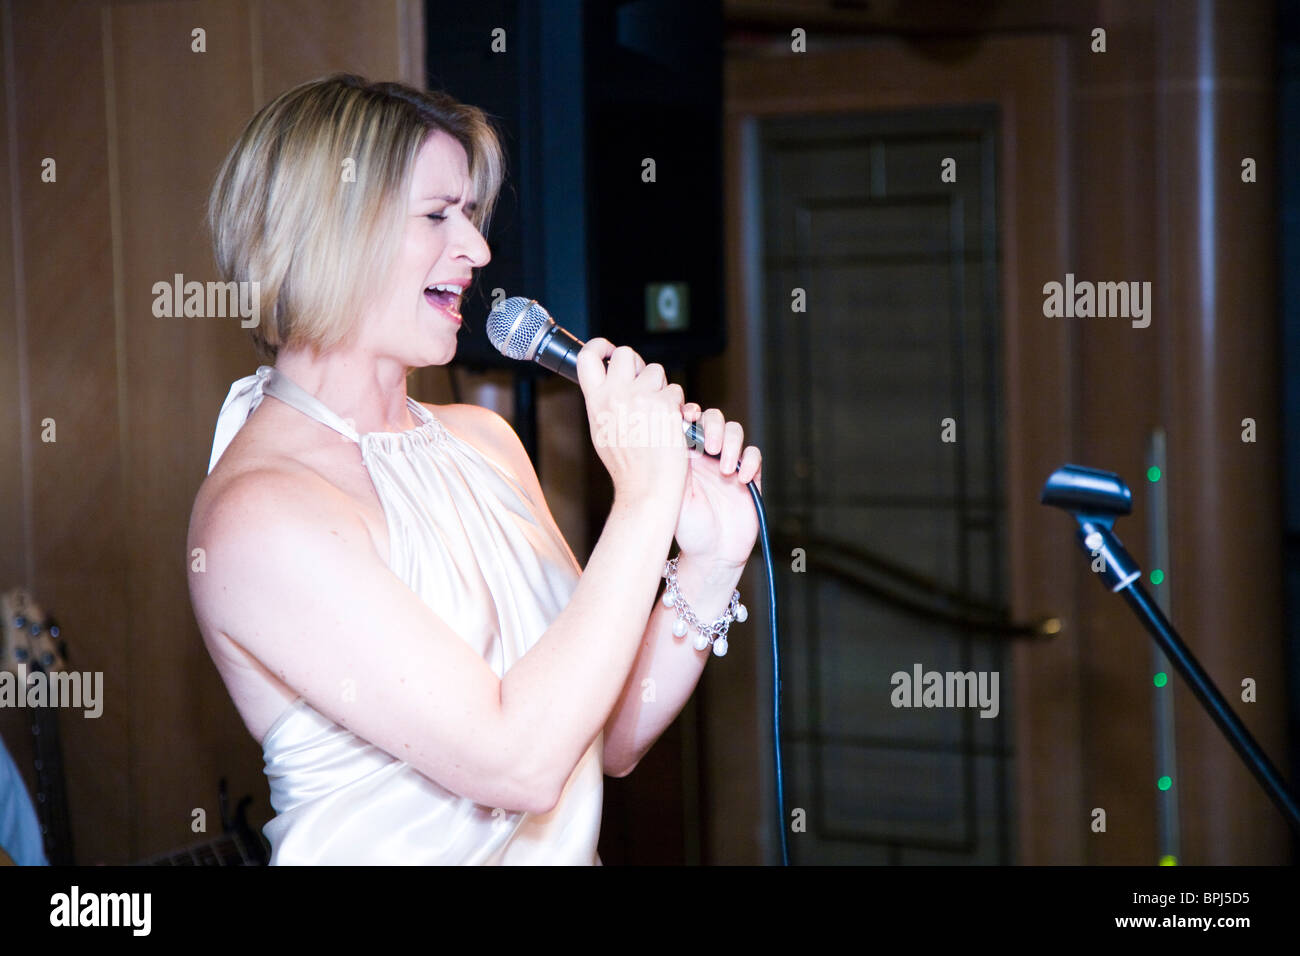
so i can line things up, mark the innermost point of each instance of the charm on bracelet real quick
(714, 634)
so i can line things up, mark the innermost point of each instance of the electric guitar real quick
(238, 845)
(30, 639)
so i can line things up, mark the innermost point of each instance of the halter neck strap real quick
(246, 394)
(279, 385)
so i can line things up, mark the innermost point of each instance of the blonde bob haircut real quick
(311, 201)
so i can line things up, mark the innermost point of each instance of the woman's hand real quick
(717, 523)
(636, 423)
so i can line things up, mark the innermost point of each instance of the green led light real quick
(1168, 860)
(1161, 679)
(1153, 473)
(1164, 783)
(1157, 576)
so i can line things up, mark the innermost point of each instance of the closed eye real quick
(436, 216)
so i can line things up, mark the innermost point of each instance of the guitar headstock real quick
(28, 637)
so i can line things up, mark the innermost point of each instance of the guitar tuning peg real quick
(20, 653)
(20, 621)
(47, 660)
(36, 629)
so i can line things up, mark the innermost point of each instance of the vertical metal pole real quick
(1168, 846)
(526, 414)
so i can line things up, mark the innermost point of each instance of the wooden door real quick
(885, 436)
(919, 307)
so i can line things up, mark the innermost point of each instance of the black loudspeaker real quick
(611, 117)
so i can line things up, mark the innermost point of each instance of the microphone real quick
(519, 328)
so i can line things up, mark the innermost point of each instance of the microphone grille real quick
(515, 325)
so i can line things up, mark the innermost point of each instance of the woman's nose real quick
(473, 245)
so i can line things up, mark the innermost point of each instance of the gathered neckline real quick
(282, 387)
(431, 428)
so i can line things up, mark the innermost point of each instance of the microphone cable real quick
(696, 437)
(521, 329)
(776, 668)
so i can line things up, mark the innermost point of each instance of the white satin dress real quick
(467, 538)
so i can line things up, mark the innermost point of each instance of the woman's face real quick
(440, 245)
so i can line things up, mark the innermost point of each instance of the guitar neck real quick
(227, 850)
(30, 643)
(51, 791)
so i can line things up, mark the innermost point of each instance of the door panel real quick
(899, 270)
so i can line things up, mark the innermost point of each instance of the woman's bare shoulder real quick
(258, 522)
(269, 464)
(474, 419)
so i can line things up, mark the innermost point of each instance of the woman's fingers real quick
(722, 438)
(726, 440)
(625, 361)
(652, 375)
(713, 423)
(733, 439)
(591, 364)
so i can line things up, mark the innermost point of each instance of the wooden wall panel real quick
(81, 534)
(1117, 392)
(164, 99)
(304, 39)
(1217, 106)
(15, 513)
(14, 555)
(138, 123)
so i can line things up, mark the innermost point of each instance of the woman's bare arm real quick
(292, 577)
(667, 668)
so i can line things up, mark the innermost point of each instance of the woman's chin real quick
(437, 353)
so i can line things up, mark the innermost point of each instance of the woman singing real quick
(432, 676)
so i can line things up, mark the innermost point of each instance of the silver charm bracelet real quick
(715, 633)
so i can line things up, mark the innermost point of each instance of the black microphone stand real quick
(1095, 499)
(525, 416)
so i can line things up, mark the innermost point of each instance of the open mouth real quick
(445, 299)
